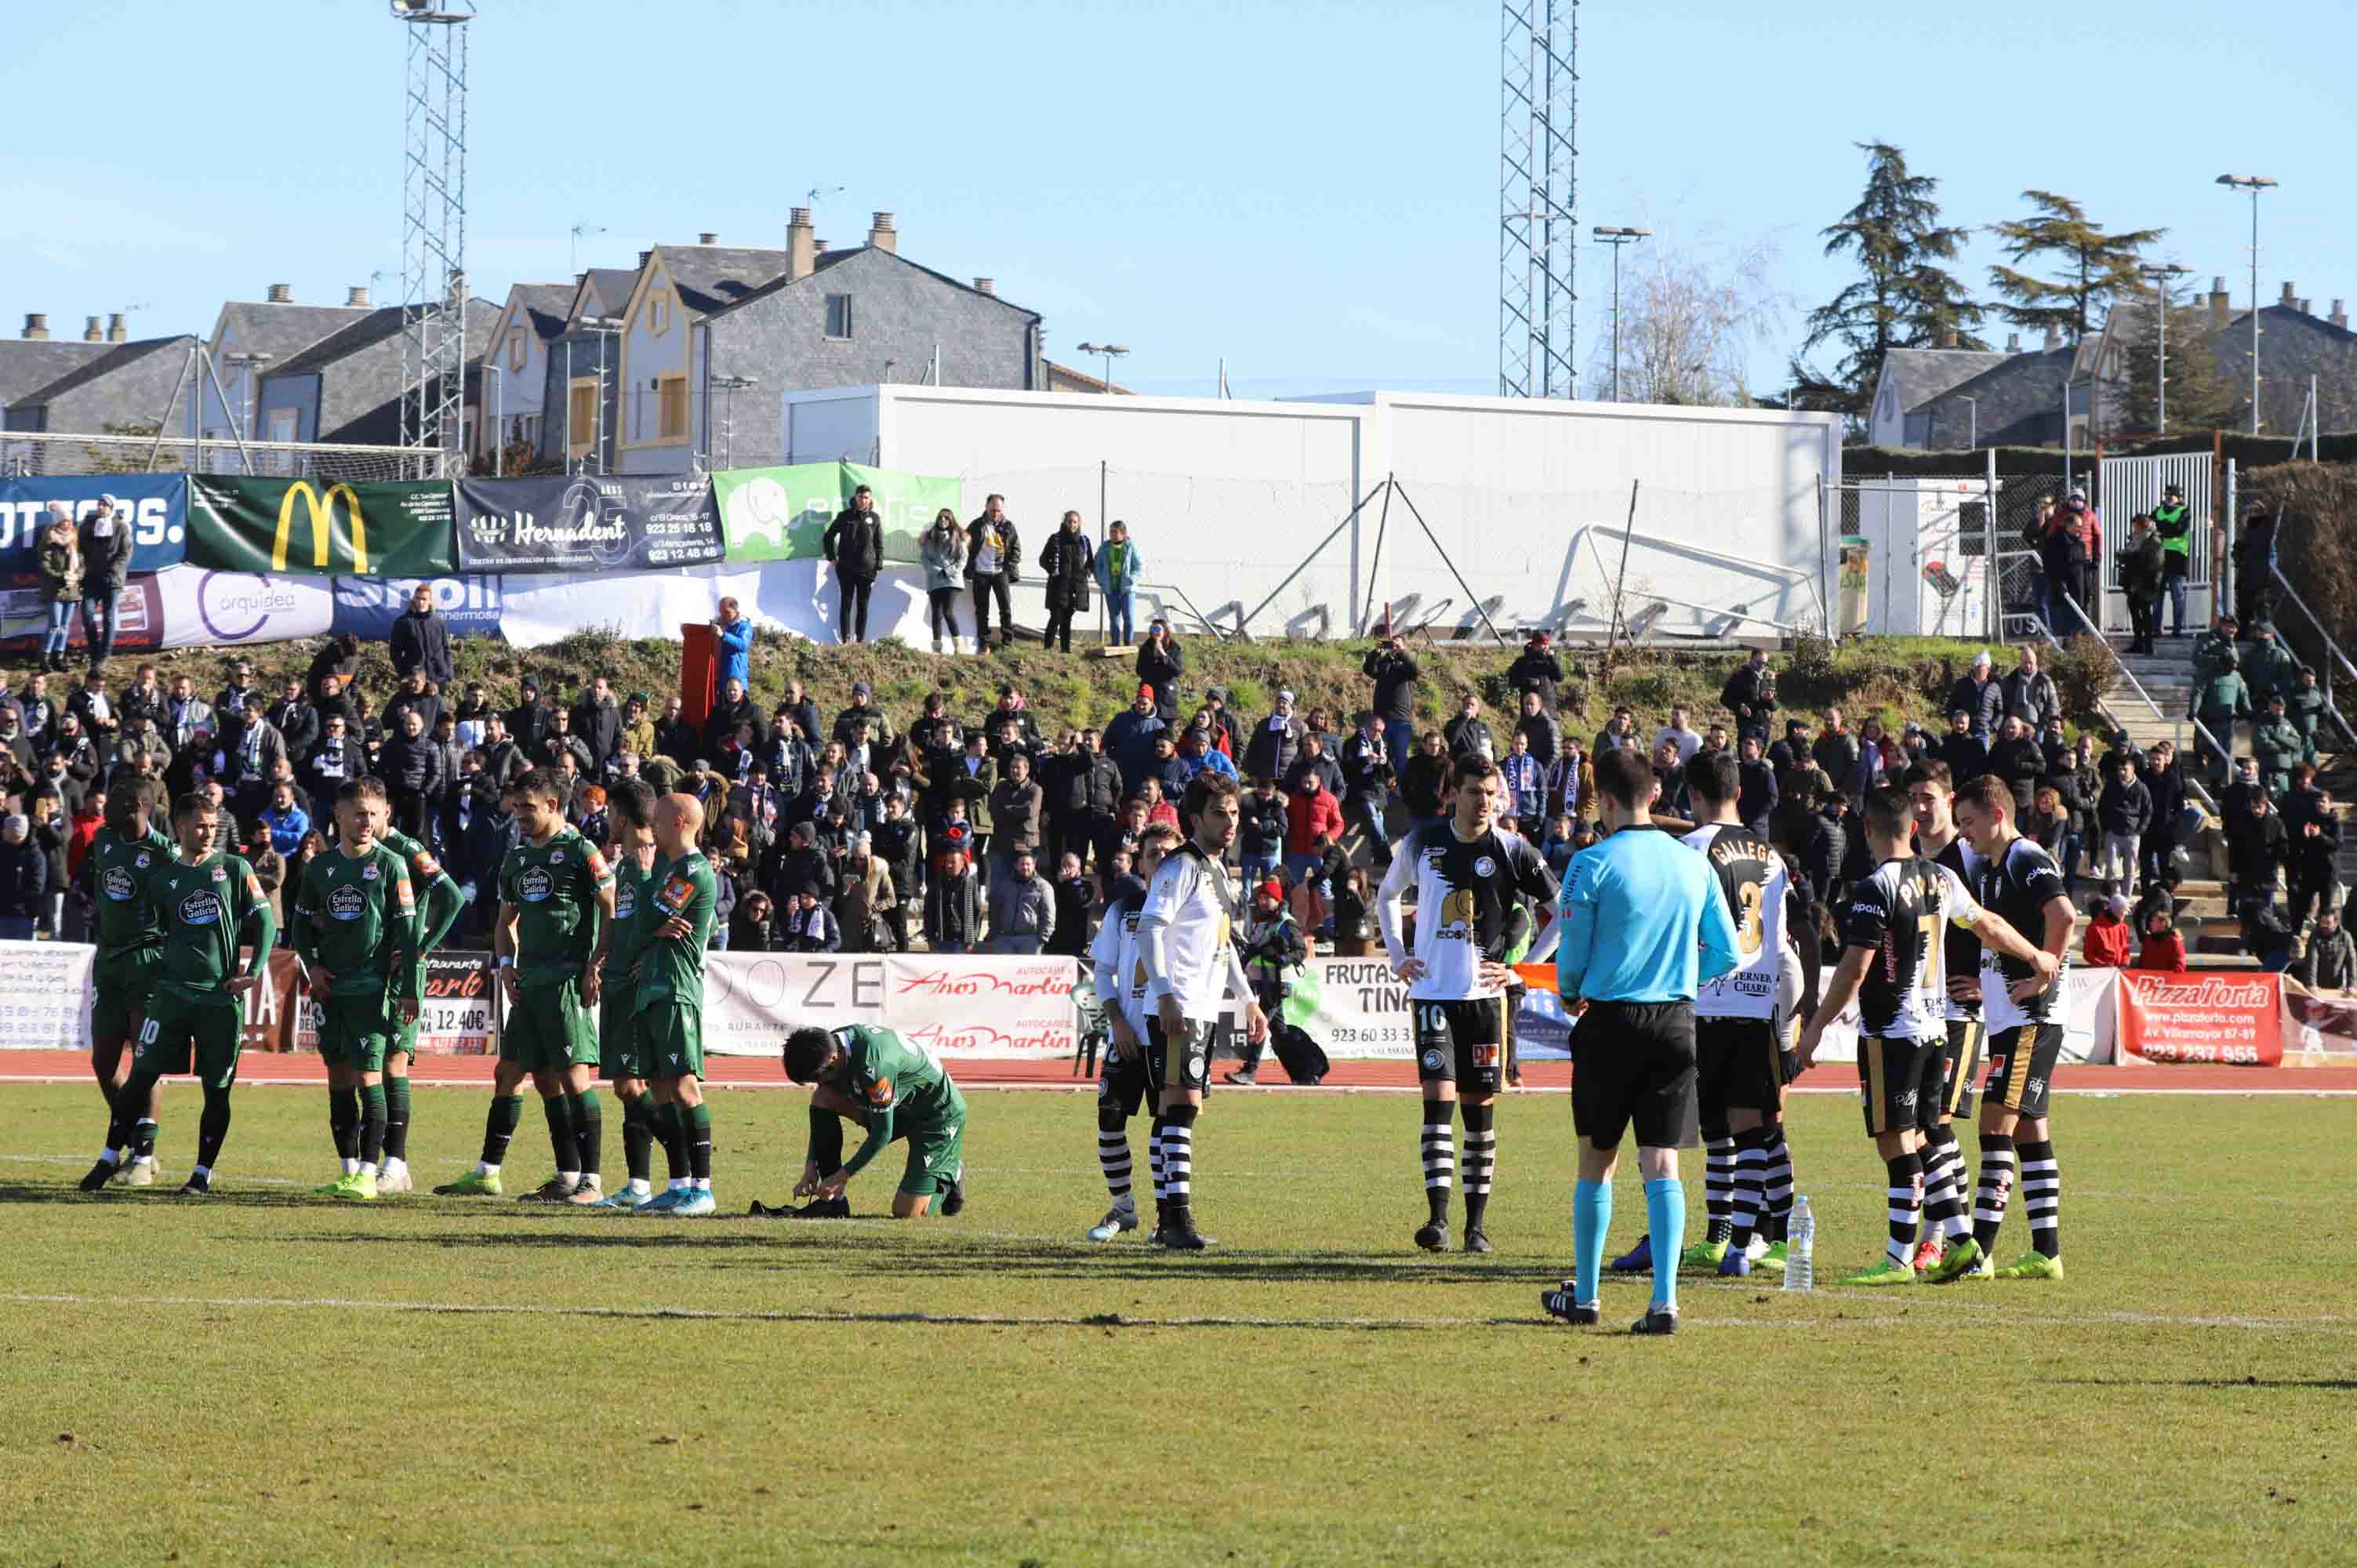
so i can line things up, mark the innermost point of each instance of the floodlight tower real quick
(433, 289)
(1538, 197)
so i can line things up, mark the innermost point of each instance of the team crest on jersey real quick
(141, 862)
(221, 874)
(348, 902)
(557, 857)
(199, 909)
(1485, 867)
(1432, 1060)
(368, 874)
(536, 884)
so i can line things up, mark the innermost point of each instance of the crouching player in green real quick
(125, 853)
(208, 903)
(440, 902)
(894, 1089)
(556, 907)
(355, 925)
(682, 900)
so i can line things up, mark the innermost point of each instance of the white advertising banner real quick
(984, 1006)
(48, 997)
(1361, 1011)
(752, 1001)
(205, 608)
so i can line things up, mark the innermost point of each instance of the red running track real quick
(303, 1067)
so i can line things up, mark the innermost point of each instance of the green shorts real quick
(617, 1033)
(548, 1029)
(405, 1039)
(670, 1038)
(936, 1159)
(123, 986)
(356, 1031)
(182, 1037)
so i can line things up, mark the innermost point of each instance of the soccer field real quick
(264, 1378)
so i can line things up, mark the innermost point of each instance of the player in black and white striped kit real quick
(2020, 881)
(1738, 1044)
(1932, 791)
(1127, 1081)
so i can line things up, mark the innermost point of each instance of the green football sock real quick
(673, 1135)
(588, 1128)
(560, 1132)
(696, 1122)
(396, 1118)
(499, 1125)
(639, 1135)
(372, 1123)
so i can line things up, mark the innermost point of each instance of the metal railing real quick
(2193, 784)
(1737, 612)
(2330, 646)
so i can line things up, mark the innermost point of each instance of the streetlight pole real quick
(1973, 407)
(2254, 183)
(732, 385)
(1111, 352)
(1616, 238)
(2161, 277)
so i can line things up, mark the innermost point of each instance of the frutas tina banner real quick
(586, 524)
(781, 514)
(319, 528)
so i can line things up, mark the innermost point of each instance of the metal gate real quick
(2133, 485)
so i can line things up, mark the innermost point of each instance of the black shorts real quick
(1959, 1064)
(1183, 1063)
(2021, 1067)
(1902, 1080)
(1129, 1084)
(1633, 1063)
(1461, 1042)
(1739, 1066)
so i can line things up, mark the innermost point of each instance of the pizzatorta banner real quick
(322, 528)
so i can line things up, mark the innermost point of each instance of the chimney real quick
(882, 236)
(642, 257)
(986, 286)
(799, 251)
(116, 332)
(356, 298)
(2222, 304)
(2287, 300)
(818, 247)
(91, 332)
(36, 327)
(2304, 305)
(1948, 339)
(282, 294)
(707, 239)
(2340, 316)
(2013, 342)
(2053, 340)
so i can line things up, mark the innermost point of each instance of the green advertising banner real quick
(781, 514)
(321, 527)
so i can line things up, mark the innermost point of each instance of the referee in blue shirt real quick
(1644, 924)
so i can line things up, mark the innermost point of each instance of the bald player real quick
(683, 898)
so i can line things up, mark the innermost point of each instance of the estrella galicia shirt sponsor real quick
(118, 870)
(553, 885)
(203, 908)
(1896, 915)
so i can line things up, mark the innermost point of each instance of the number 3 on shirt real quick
(1751, 929)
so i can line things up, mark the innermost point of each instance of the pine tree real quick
(2096, 267)
(1904, 298)
(2201, 396)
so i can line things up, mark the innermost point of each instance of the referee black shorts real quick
(1633, 1065)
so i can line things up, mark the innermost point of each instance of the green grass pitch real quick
(264, 1378)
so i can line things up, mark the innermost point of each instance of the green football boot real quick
(1887, 1271)
(2032, 1266)
(474, 1184)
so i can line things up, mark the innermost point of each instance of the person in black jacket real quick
(1260, 838)
(1756, 796)
(1537, 670)
(1966, 753)
(1076, 898)
(2164, 780)
(854, 543)
(1160, 661)
(1980, 697)
(105, 539)
(598, 722)
(411, 767)
(2123, 812)
(1070, 561)
(1389, 666)
(1751, 695)
(421, 639)
(24, 880)
(2018, 759)
(993, 562)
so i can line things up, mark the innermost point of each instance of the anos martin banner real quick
(320, 527)
(588, 523)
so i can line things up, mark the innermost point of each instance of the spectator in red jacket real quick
(2163, 947)
(2107, 942)
(1311, 815)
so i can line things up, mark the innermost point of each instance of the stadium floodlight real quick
(2160, 278)
(1616, 238)
(2254, 183)
(1111, 352)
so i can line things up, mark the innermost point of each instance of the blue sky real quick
(1310, 190)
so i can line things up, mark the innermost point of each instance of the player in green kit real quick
(683, 899)
(205, 903)
(636, 863)
(355, 925)
(124, 853)
(440, 902)
(556, 911)
(892, 1089)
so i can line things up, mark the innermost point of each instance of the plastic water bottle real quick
(1800, 1256)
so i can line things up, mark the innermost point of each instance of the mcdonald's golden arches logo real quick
(322, 512)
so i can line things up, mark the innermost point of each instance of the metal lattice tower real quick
(1538, 198)
(433, 289)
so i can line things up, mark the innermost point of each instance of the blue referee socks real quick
(1665, 1211)
(1591, 1217)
